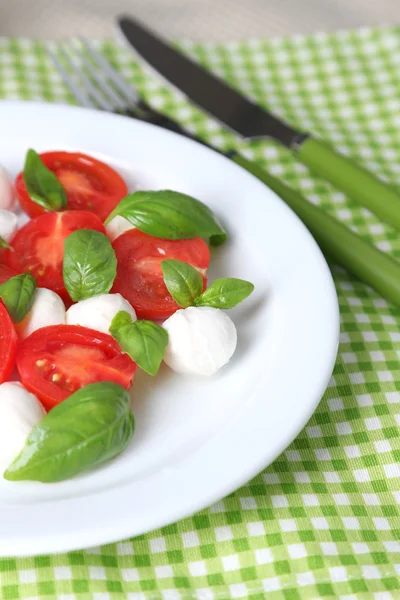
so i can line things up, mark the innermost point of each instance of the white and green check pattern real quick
(323, 520)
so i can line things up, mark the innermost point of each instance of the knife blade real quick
(207, 91)
(251, 121)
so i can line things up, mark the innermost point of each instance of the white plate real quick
(196, 439)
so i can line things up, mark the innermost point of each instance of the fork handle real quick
(350, 178)
(362, 259)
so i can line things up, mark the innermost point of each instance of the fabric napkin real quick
(323, 520)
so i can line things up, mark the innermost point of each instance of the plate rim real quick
(95, 535)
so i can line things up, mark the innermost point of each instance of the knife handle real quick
(347, 176)
(363, 260)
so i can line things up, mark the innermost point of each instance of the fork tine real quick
(90, 89)
(98, 76)
(95, 93)
(77, 91)
(125, 88)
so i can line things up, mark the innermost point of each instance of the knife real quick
(251, 121)
(365, 261)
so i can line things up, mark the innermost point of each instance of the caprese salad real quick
(97, 283)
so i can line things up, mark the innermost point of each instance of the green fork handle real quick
(353, 180)
(363, 260)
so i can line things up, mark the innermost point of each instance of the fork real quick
(96, 84)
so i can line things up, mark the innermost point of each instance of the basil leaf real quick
(84, 431)
(121, 319)
(3, 244)
(170, 215)
(143, 341)
(225, 293)
(42, 184)
(183, 281)
(90, 264)
(17, 294)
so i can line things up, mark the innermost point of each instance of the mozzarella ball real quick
(117, 226)
(98, 312)
(201, 340)
(20, 411)
(8, 225)
(7, 192)
(47, 309)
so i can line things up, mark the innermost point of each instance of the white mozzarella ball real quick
(98, 312)
(201, 340)
(8, 225)
(47, 309)
(117, 226)
(20, 411)
(7, 191)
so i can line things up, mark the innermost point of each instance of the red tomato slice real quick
(90, 184)
(3, 257)
(6, 273)
(8, 344)
(39, 246)
(139, 275)
(56, 361)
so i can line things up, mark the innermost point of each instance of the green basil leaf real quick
(90, 264)
(225, 293)
(183, 281)
(42, 184)
(82, 432)
(3, 244)
(143, 341)
(170, 215)
(17, 294)
(121, 319)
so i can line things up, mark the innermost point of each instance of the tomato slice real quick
(89, 183)
(39, 246)
(2, 257)
(56, 361)
(8, 344)
(6, 273)
(139, 275)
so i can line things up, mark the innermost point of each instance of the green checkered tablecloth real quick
(323, 520)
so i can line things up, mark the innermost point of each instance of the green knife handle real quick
(366, 262)
(356, 182)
